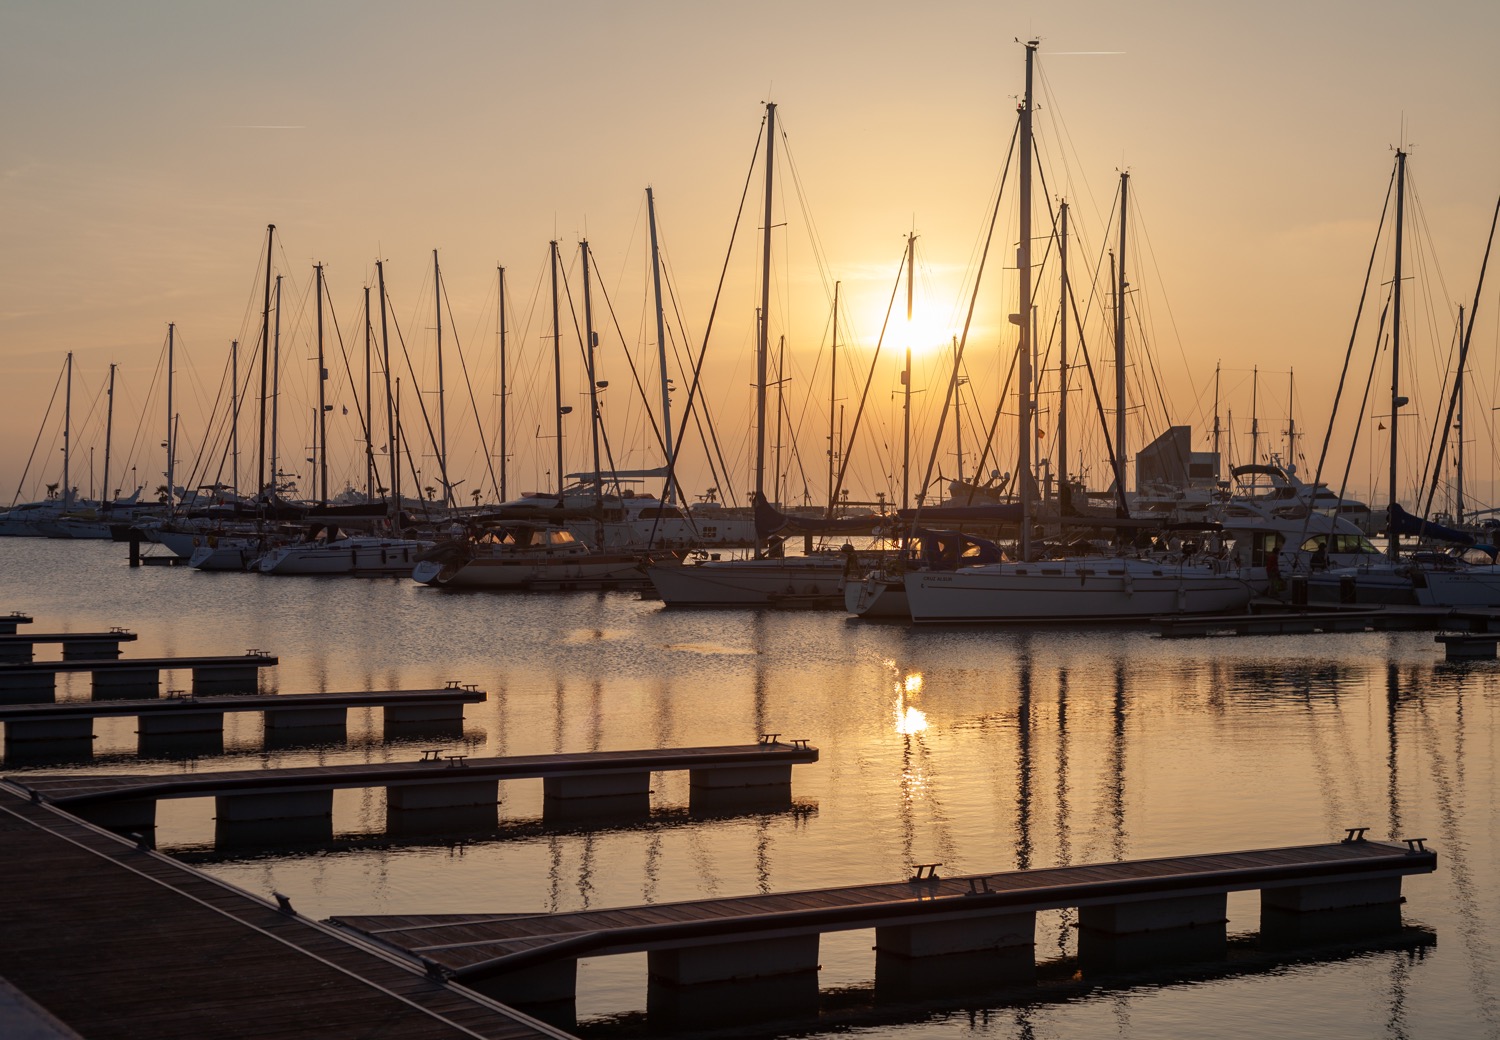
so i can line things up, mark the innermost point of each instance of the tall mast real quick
(1291, 418)
(1393, 539)
(275, 390)
(265, 342)
(1458, 426)
(67, 488)
(322, 452)
(234, 412)
(1255, 414)
(109, 432)
(392, 446)
(369, 405)
(661, 348)
(1063, 495)
(437, 293)
(557, 374)
(911, 249)
(779, 476)
(1120, 455)
(958, 412)
(833, 398)
(1216, 419)
(592, 341)
(504, 387)
(171, 426)
(762, 347)
(1023, 315)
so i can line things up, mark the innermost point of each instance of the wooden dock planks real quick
(463, 942)
(237, 702)
(118, 942)
(75, 789)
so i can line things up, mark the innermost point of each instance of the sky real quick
(147, 146)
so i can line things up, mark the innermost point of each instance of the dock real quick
(134, 677)
(76, 646)
(533, 957)
(69, 726)
(114, 940)
(300, 800)
(1303, 620)
(9, 623)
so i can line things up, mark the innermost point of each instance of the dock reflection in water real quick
(977, 748)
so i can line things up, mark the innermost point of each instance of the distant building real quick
(1170, 460)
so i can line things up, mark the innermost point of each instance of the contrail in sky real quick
(264, 126)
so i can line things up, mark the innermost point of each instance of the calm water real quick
(983, 750)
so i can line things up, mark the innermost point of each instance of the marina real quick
(1071, 754)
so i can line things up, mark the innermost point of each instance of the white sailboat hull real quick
(1072, 590)
(1469, 587)
(365, 557)
(520, 572)
(794, 582)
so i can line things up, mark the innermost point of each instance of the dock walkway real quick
(128, 802)
(134, 677)
(120, 943)
(512, 955)
(76, 646)
(72, 722)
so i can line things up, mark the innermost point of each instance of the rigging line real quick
(864, 396)
(1348, 357)
(1115, 465)
(417, 386)
(1369, 384)
(963, 339)
(1454, 344)
(634, 372)
(39, 430)
(1463, 353)
(1139, 227)
(468, 385)
(718, 469)
(713, 311)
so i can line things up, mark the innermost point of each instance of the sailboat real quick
(1075, 589)
(770, 578)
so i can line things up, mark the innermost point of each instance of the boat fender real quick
(1129, 584)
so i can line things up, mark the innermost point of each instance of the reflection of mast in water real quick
(559, 714)
(1449, 787)
(591, 837)
(1116, 779)
(1064, 838)
(1393, 784)
(758, 644)
(1023, 758)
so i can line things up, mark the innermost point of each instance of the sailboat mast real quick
(1216, 417)
(1255, 414)
(592, 342)
(1062, 364)
(911, 248)
(779, 477)
(67, 488)
(1022, 318)
(322, 406)
(265, 342)
(171, 442)
(1291, 418)
(504, 388)
(437, 294)
(1458, 426)
(661, 348)
(369, 405)
(833, 399)
(1120, 288)
(958, 412)
(392, 446)
(234, 413)
(763, 344)
(109, 433)
(275, 390)
(557, 374)
(1393, 539)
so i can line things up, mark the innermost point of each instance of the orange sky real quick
(146, 147)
